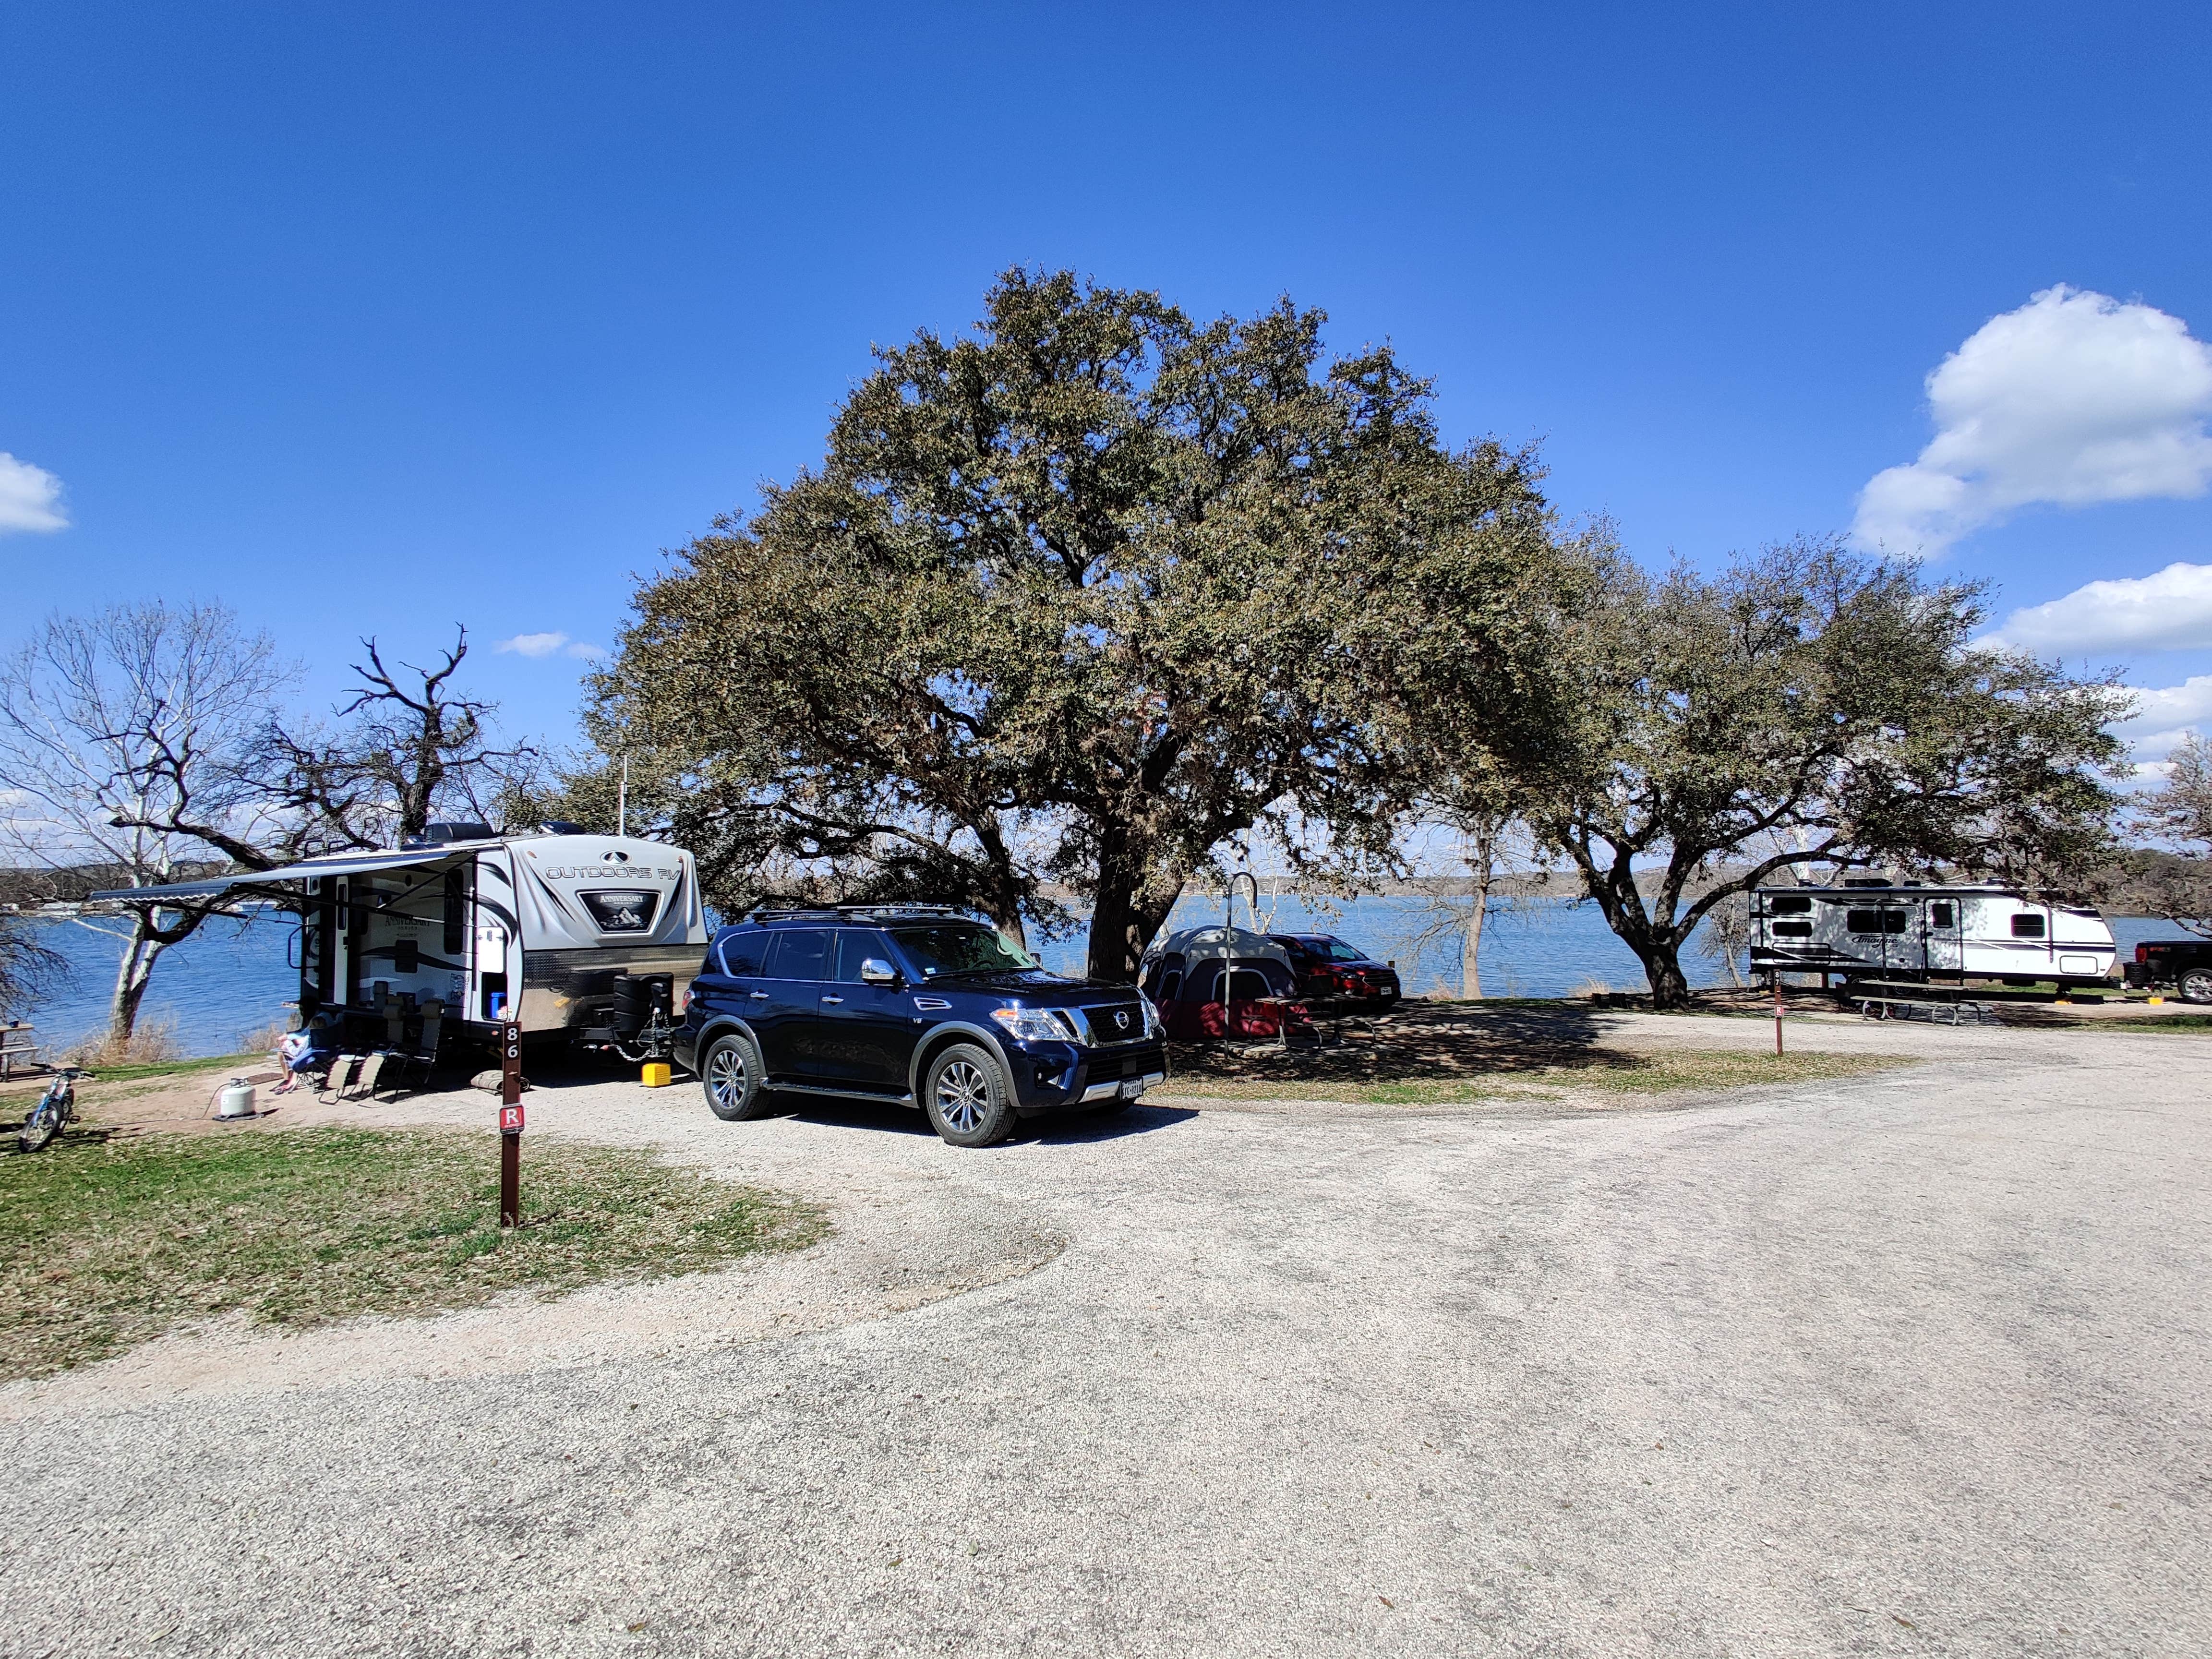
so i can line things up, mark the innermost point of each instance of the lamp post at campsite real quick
(1229, 945)
(510, 1123)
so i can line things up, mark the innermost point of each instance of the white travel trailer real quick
(576, 935)
(1872, 930)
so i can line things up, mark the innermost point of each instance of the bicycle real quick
(56, 1107)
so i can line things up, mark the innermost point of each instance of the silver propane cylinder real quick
(235, 1100)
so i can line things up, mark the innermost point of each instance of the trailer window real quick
(2026, 925)
(1941, 914)
(1789, 906)
(1874, 922)
(1793, 929)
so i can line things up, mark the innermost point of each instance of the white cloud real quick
(2164, 716)
(2074, 398)
(30, 497)
(544, 645)
(2169, 611)
(533, 645)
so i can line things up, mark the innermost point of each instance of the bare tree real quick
(125, 738)
(407, 752)
(27, 968)
(1726, 936)
(1493, 845)
(2174, 881)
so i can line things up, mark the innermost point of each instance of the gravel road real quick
(1916, 1362)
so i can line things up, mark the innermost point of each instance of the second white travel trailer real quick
(1875, 930)
(593, 938)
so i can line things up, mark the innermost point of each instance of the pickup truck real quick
(2183, 964)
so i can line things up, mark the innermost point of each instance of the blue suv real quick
(920, 1005)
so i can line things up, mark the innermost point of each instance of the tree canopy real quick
(1078, 599)
(1807, 707)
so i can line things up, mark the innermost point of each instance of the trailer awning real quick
(248, 881)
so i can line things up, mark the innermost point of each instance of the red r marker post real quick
(510, 1124)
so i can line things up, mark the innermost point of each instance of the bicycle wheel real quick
(44, 1123)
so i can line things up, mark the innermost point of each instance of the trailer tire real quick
(2196, 985)
(734, 1079)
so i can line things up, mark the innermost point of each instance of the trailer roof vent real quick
(1865, 881)
(437, 834)
(559, 827)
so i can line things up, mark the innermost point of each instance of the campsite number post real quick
(510, 1124)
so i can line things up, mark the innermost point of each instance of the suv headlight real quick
(1154, 1026)
(1038, 1024)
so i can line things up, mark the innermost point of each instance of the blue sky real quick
(376, 317)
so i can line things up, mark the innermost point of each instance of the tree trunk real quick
(1470, 974)
(1002, 897)
(1662, 966)
(132, 974)
(1127, 910)
(1482, 864)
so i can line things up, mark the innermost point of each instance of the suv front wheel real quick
(967, 1098)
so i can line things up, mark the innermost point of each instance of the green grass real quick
(106, 1243)
(1615, 1073)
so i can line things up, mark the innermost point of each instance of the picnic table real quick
(19, 1042)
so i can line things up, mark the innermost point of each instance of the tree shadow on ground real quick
(1428, 1042)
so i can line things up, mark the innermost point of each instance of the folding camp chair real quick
(335, 1079)
(364, 1083)
(419, 1059)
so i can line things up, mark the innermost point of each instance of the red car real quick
(1329, 968)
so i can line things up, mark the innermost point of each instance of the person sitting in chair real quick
(308, 1049)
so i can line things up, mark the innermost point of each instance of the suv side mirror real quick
(876, 971)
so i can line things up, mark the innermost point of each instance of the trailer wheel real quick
(2196, 985)
(731, 1074)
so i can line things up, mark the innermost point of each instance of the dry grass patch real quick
(1664, 1072)
(108, 1242)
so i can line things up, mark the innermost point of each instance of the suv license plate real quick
(1132, 1088)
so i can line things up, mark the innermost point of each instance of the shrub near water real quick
(103, 1245)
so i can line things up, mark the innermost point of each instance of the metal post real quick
(1777, 1010)
(510, 1124)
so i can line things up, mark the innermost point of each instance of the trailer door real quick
(1947, 954)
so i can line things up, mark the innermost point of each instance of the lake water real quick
(228, 979)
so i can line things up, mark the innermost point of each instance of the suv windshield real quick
(960, 950)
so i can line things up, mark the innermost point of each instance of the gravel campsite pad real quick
(1905, 1360)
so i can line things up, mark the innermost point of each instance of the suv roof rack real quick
(853, 912)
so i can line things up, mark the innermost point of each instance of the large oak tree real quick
(1805, 707)
(1081, 597)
